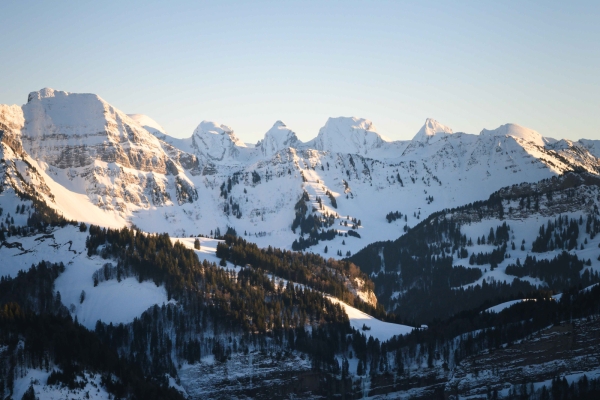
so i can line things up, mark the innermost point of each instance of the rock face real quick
(11, 124)
(91, 150)
(71, 130)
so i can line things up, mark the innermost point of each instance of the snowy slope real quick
(380, 330)
(105, 301)
(92, 387)
(148, 124)
(593, 146)
(499, 307)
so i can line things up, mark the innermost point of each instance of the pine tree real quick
(29, 394)
(360, 369)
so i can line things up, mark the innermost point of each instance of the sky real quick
(468, 64)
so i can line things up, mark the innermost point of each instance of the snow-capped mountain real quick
(88, 154)
(70, 130)
(218, 309)
(431, 132)
(348, 135)
(278, 138)
(517, 132)
(216, 142)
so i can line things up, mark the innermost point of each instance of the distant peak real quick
(279, 126)
(213, 128)
(516, 131)
(217, 141)
(349, 124)
(348, 135)
(432, 131)
(277, 138)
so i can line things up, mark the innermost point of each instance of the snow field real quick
(508, 304)
(377, 329)
(38, 378)
(110, 301)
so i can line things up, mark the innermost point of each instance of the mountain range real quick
(106, 167)
(348, 265)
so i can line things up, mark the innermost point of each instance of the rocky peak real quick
(217, 142)
(277, 138)
(431, 132)
(348, 135)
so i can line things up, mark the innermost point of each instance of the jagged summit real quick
(348, 135)
(279, 123)
(45, 93)
(516, 131)
(93, 157)
(210, 128)
(277, 138)
(432, 131)
(216, 141)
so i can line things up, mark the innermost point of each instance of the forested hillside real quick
(527, 238)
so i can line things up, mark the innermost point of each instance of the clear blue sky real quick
(470, 65)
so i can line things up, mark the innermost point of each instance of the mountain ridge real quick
(85, 146)
(450, 223)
